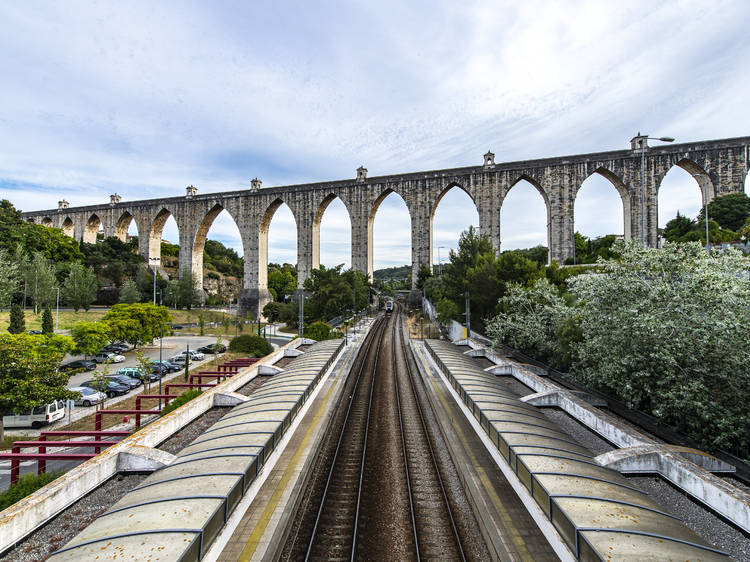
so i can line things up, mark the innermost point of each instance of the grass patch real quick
(68, 318)
(27, 484)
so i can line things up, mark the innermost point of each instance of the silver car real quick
(88, 397)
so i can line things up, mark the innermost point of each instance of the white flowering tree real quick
(666, 330)
(530, 319)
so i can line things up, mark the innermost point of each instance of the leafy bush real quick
(318, 331)
(27, 484)
(252, 345)
(183, 399)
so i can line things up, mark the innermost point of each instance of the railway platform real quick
(257, 530)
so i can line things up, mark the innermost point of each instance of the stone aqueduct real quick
(719, 166)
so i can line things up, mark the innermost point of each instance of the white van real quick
(36, 417)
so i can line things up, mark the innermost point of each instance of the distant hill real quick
(398, 272)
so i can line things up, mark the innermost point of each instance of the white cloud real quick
(143, 98)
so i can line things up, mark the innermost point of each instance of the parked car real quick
(111, 388)
(77, 365)
(35, 332)
(89, 396)
(135, 373)
(194, 355)
(131, 382)
(213, 348)
(107, 357)
(116, 347)
(41, 415)
(171, 367)
(177, 326)
(178, 360)
(158, 370)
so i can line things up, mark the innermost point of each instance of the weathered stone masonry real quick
(719, 166)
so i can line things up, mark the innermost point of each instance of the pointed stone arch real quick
(68, 227)
(265, 223)
(318, 218)
(708, 191)
(91, 230)
(123, 225)
(545, 197)
(199, 241)
(154, 237)
(371, 223)
(433, 209)
(46, 221)
(622, 191)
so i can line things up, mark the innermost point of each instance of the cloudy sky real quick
(144, 98)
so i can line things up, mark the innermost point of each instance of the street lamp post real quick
(705, 215)
(155, 260)
(643, 141)
(440, 262)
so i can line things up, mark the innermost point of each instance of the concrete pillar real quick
(561, 228)
(255, 294)
(421, 240)
(305, 244)
(361, 242)
(488, 207)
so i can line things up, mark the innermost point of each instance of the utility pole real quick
(468, 315)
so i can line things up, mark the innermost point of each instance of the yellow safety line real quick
(265, 517)
(504, 515)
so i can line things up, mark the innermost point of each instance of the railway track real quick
(378, 493)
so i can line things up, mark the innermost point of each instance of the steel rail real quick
(449, 511)
(342, 432)
(395, 342)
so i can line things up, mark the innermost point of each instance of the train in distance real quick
(389, 306)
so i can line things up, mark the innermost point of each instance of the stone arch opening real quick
(46, 221)
(30, 219)
(453, 212)
(392, 229)
(277, 239)
(523, 209)
(682, 190)
(162, 225)
(92, 229)
(227, 233)
(601, 211)
(68, 227)
(332, 237)
(125, 226)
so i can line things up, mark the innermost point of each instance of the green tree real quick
(136, 323)
(201, 322)
(663, 330)
(272, 312)
(423, 274)
(282, 280)
(130, 293)
(730, 211)
(89, 337)
(318, 331)
(81, 286)
(187, 295)
(144, 367)
(252, 345)
(678, 227)
(28, 371)
(530, 319)
(9, 278)
(17, 321)
(48, 326)
(41, 281)
(745, 232)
